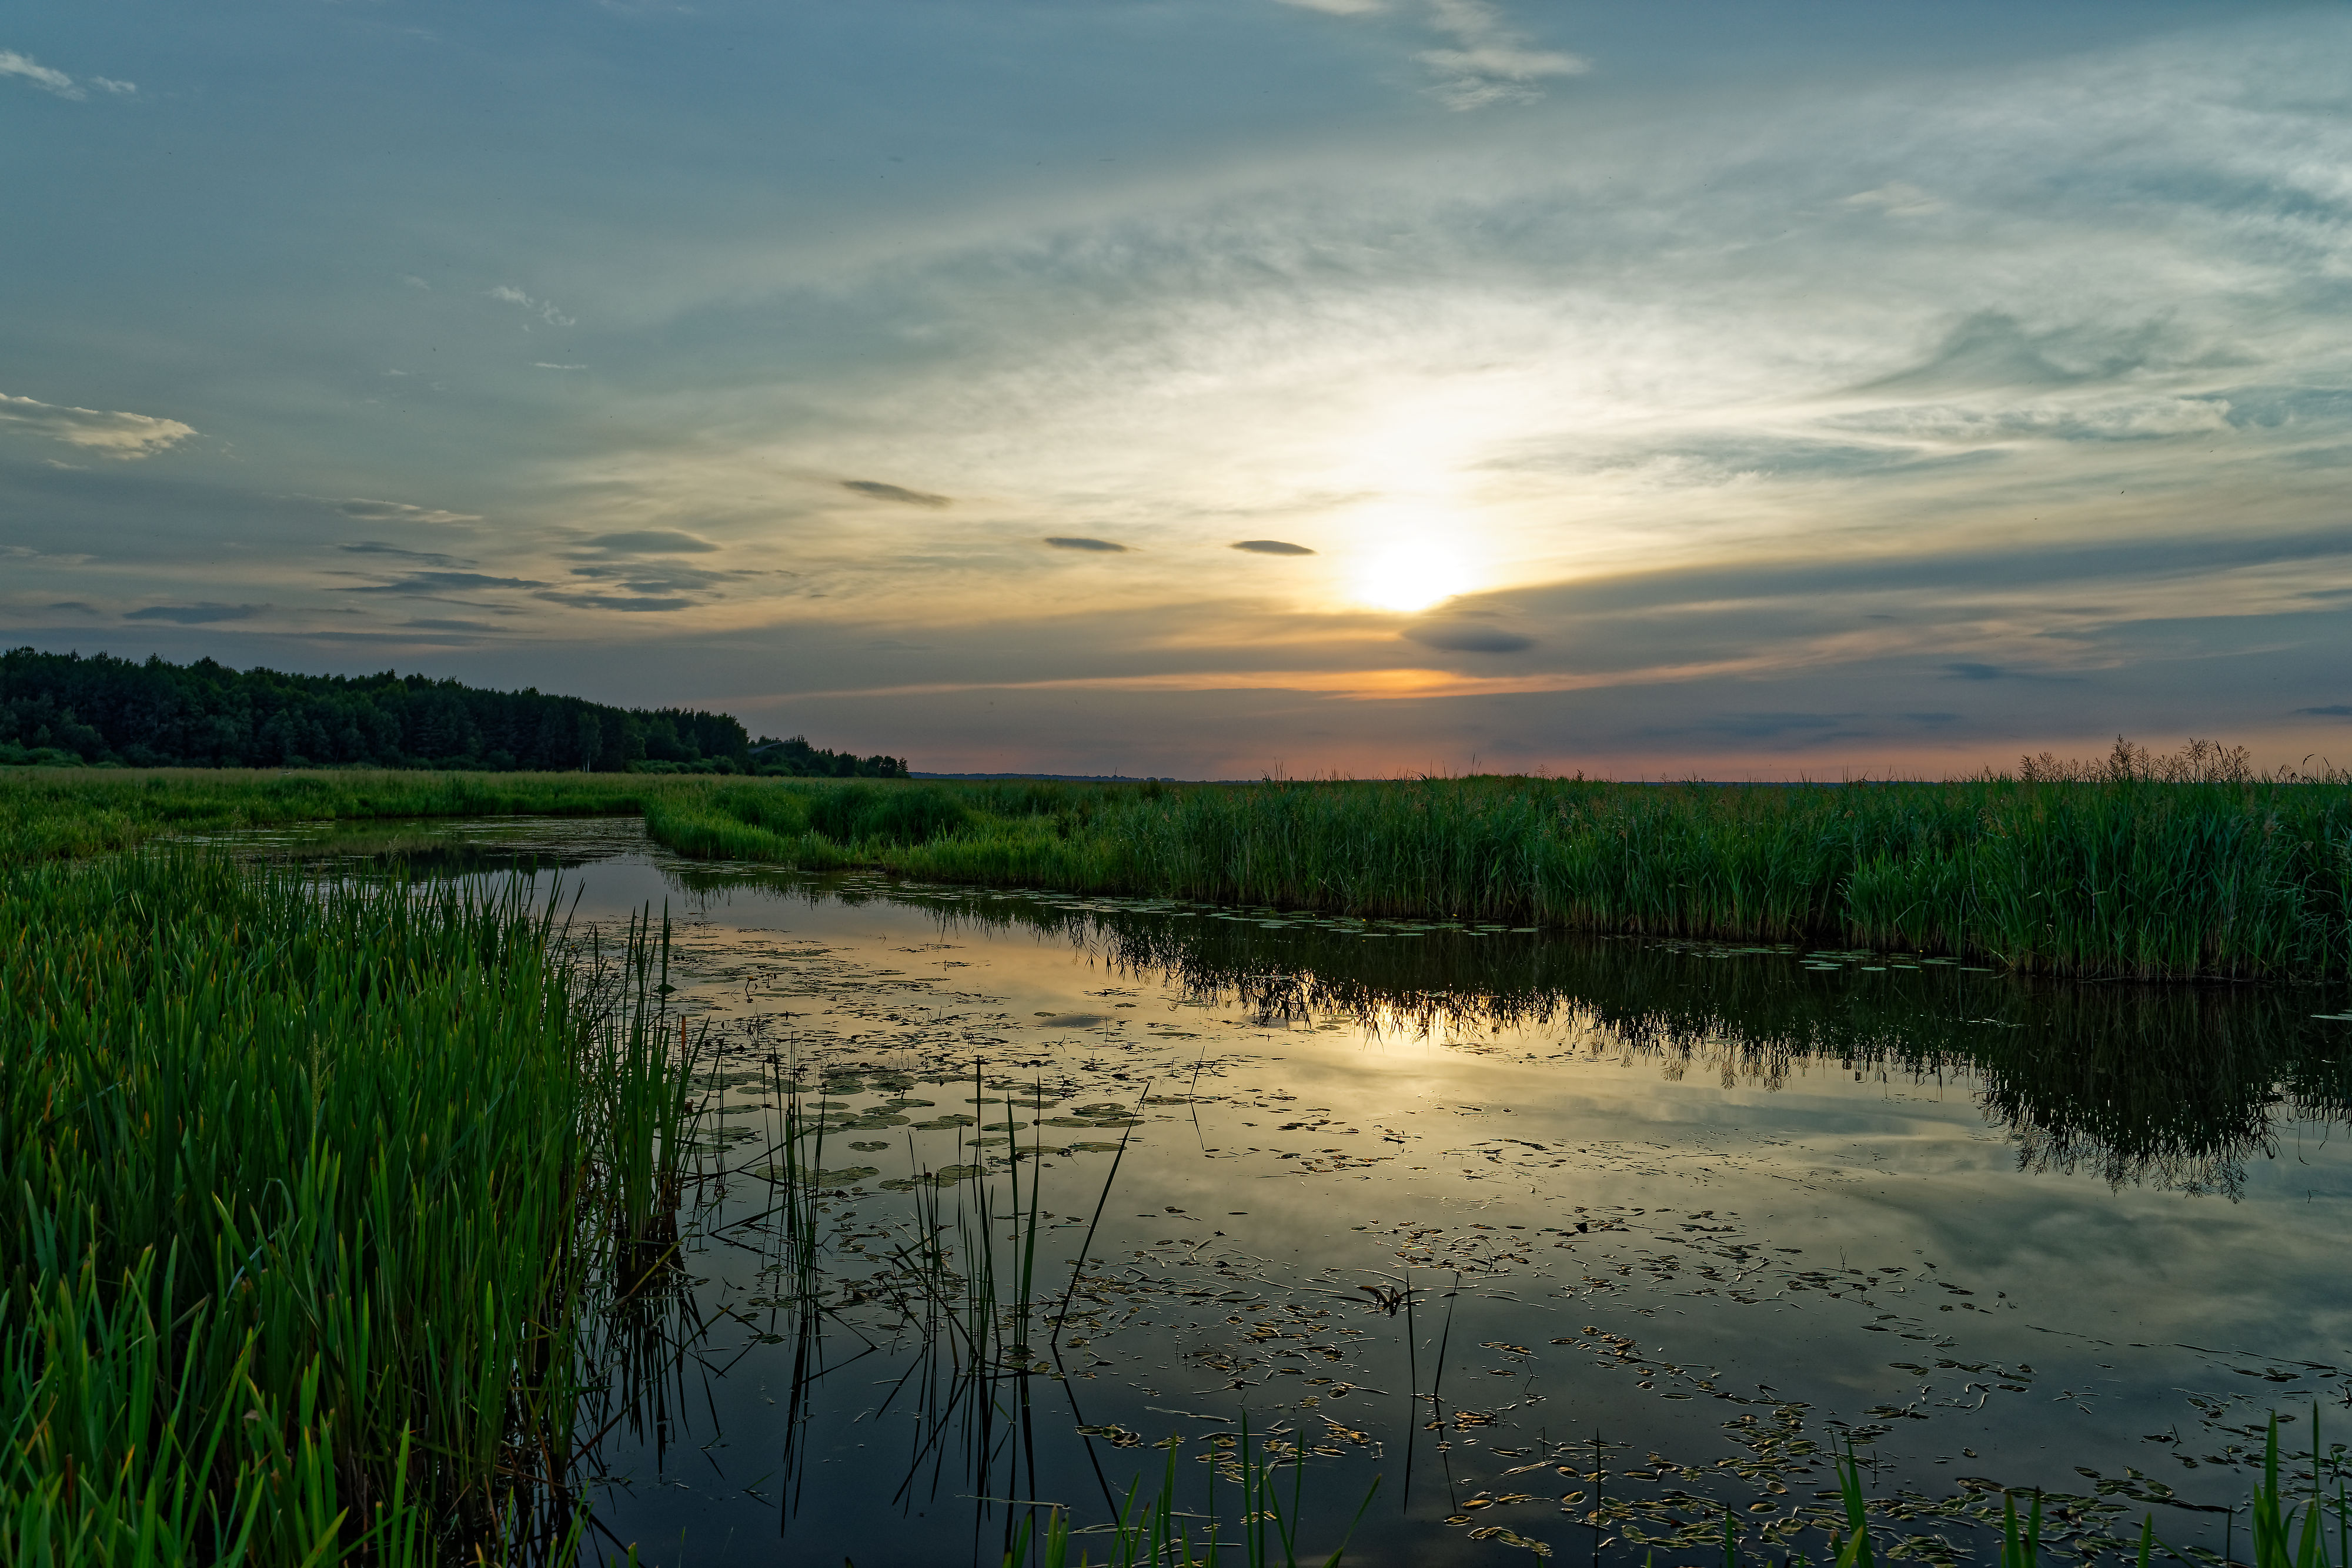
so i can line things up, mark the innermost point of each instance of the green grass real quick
(2121, 876)
(61, 812)
(310, 1193)
(2133, 878)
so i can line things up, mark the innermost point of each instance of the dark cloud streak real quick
(196, 614)
(875, 489)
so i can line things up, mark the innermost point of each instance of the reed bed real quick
(2141, 868)
(2126, 877)
(311, 1192)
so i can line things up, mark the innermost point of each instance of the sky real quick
(1208, 388)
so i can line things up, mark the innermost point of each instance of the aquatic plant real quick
(2126, 877)
(2137, 870)
(313, 1191)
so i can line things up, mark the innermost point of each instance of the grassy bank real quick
(52, 812)
(309, 1198)
(2125, 877)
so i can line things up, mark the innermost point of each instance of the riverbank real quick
(2124, 879)
(2121, 880)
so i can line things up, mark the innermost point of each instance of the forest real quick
(67, 709)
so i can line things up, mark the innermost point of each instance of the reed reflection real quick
(2171, 1086)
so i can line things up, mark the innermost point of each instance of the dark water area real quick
(1579, 1246)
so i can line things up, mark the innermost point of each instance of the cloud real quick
(1066, 541)
(1272, 547)
(639, 577)
(368, 511)
(2138, 419)
(74, 605)
(454, 626)
(196, 614)
(1490, 61)
(1487, 61)
(543, 365)
(1992, 350)
(545, 309)
(2333, 710)
(651, 542)
(431, 583)
(426, 557)
(1454, 637)
(1896, 200)
(25, 68)
(124, 435)
(1973, 670)
(1816, 726)
(880, 491)
(610, 601)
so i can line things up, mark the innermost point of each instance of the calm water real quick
(1503, 1218)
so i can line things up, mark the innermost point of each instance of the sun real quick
(1412, 575)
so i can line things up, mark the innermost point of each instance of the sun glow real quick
(1412, 575)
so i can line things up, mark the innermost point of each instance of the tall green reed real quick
(2132, 868)
(310, 1188)
(2127, 876)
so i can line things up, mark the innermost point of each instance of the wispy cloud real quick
(423, 558)
(1468, 637)
(1484, 60)
(875, 489)
(438, 583)
(1072, 541)
(24, 67)
(196, 614)
(1897, 199)
(1488, 60)
(128, 436)
(1272, 547)
(544, 309)
(369, 511)
(614, 602)
(641, 577)
(650, 542)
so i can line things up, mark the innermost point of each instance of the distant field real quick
(2123, 878)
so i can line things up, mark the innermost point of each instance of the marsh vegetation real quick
(2182, 867)
(376, 1207)
(315, 1195)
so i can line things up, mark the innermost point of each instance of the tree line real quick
(64, 708)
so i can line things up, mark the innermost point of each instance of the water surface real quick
(1576, 1244)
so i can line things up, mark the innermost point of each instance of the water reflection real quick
(1444, 1202)
(2174, 1087)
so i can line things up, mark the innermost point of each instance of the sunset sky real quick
(1206, 388)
